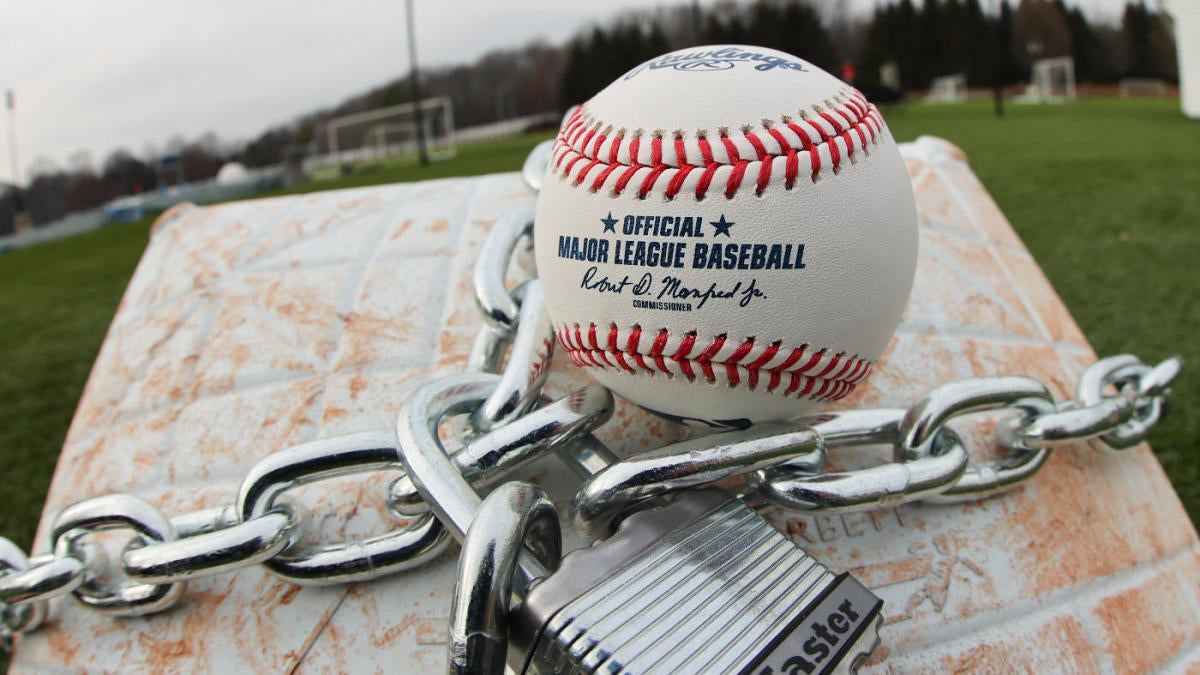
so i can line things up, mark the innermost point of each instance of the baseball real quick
(726, 235)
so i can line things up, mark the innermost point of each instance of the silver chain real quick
(1118, 400)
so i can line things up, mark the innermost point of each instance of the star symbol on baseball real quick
(721, 226)
(610, 223)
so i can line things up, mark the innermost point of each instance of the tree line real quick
(55, 191)
(986, 40)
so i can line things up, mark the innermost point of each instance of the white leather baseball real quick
(726, 234)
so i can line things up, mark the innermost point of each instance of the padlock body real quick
(702, 585)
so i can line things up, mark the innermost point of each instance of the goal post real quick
(948, 89)
(1133, 87)
(1051, 81)
(390, 131)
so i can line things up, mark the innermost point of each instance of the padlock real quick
(703, 584)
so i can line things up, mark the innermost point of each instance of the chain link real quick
(508, 423)
(930, 460)
(410, 545)
(17, 618)
(119, 597)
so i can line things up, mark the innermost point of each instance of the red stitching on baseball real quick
(731, 149)
(819, 129)
(812, 362)
(624, 179)
(841, 374)
(621, 360)
(648, 184)
(599, 141)
(835, 153)
(764, 175)
(735, 179)
(587, 138)
(572, 125)
(834, 125)
(759, 148)
(805, 140)
(712, 349)
(574, 136)
(789, 361)
(705, 180)
(574, 160)
(780, 139)
(832, 364)
(583, 174)
(599, 182)
(824, 389)
(833, 121)
(676, 183)
(706, 151)
(791, 168)
(768, 354)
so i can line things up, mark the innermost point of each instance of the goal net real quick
(1051, 81)
(948, 89)
(383, 133)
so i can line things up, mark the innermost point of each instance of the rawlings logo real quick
(719, 59)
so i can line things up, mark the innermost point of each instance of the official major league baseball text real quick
(726, 235)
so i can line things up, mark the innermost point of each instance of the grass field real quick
(1105, 193)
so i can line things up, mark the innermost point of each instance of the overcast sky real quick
(96, 75)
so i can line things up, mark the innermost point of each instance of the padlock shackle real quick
(513, 516)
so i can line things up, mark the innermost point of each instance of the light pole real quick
(416, 87)
(12, 137)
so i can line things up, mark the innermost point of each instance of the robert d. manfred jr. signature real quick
(671, 288)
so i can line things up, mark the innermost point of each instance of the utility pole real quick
(416, 86)
(12, 137)
(21, 219)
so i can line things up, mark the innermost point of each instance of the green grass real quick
(1106, 195)
(471, 160)
(1103, 192)
(56, 301)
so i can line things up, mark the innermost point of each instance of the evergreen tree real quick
(980, 38)
(1006, 63)
(1137, 23)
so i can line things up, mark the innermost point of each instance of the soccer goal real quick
(1051, 81)
(1137, 87)
(948, 89)
(387, 132)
